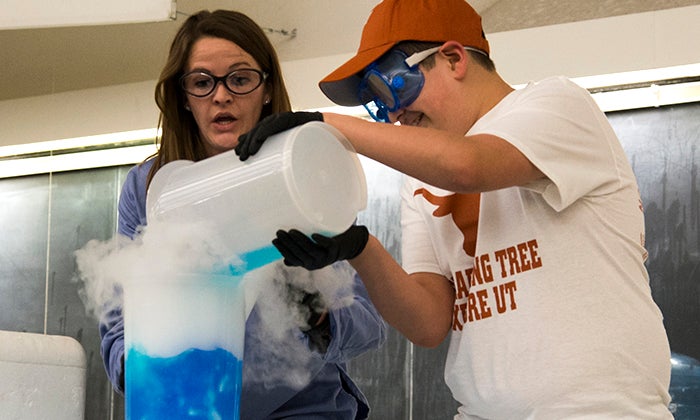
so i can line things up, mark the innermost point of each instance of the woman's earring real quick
(187, 107)
(267, 101)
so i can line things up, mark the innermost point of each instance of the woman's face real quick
(222, 116)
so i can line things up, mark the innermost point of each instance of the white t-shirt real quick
(553, 315)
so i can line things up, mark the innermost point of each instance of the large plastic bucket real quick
(307, 178)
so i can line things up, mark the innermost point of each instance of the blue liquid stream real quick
(196, 384)
(255, 259)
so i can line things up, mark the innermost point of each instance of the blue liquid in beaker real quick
(195, 384)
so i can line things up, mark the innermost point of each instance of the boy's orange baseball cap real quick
(393, 21)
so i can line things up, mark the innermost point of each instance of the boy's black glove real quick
(319, 251)
(250, 142)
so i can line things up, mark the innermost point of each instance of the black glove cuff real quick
(314, 303)
(320, 336)
(362, 238)
(121, 375)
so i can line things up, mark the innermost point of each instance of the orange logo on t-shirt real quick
(464, 209)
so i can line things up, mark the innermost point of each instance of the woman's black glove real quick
(319, 329)
(317, 325)
(250, 142)
(319, 251)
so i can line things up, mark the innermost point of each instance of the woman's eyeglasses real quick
(239, 82)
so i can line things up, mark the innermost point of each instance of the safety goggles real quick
(392, 82)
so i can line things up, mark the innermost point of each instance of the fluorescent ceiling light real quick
(644, 88)
(639, 76)
(120, 139)
(75, 161)
(23, 14)
(649, 96)
(113, 149)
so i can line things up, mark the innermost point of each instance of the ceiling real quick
(45, 61)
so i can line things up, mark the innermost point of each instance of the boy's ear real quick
(455, 54)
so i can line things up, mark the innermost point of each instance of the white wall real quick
(618, 44)
(78, 113)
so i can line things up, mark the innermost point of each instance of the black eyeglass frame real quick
(223, 79)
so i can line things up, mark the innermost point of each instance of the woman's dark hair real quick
(180, 138)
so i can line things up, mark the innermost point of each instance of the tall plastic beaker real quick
(184, 339)
(308, 178)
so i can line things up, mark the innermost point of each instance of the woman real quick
(221, 77)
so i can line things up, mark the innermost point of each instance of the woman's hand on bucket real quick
(250, 142)
(319, 251)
